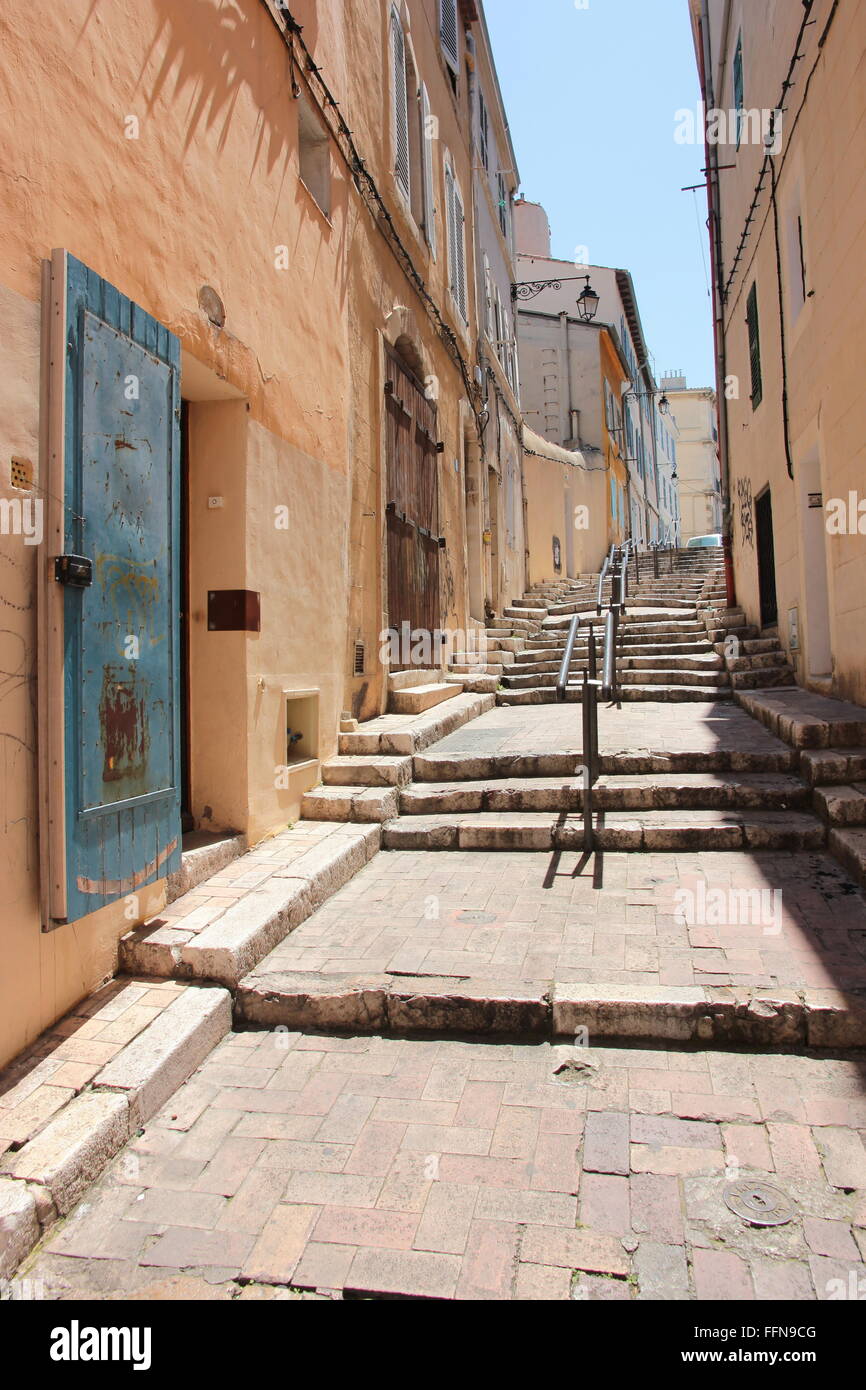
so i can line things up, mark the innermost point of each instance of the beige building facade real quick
(694, 417)
(240, 392)
(788, 231)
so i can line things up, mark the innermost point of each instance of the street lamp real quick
(664, 406)
(587, 303)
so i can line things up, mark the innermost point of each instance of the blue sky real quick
(591, 96)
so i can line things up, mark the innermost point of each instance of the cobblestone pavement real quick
(523, 916)
(443, 1169)
(651, 727)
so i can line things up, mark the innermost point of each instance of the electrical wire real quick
(369, 191)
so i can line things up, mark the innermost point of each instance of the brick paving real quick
(381, 1167)
(509, 918)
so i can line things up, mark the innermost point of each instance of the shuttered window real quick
(427, 127)
(754, 347)
(448, 32)
(401, 108)
(503, 200)
(739, 88)
(460, 259)
(483, 132)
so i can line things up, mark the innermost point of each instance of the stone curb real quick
(234, 944)
(71, 1151)
(168, 1051)
(652, 1014)
(19, 1225)
(46, 1177)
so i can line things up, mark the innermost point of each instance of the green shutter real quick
(754, 347)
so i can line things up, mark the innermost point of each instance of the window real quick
(314, 156)
(738, 87)
(456, 242)
(427, 128)
(401, 107)
(503, 201)
(754, 346)
(483, 131)
(449, 33)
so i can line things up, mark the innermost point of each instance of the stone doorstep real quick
(48, 1175)
(648, 831)
(651, 1014)
(207, 855)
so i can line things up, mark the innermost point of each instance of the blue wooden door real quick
(121, 633)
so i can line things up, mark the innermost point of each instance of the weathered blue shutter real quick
(121, 722)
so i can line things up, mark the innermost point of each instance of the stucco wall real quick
(287, 397)
(821, 175)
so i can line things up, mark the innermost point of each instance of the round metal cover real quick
(477, 918)
(758, 1203)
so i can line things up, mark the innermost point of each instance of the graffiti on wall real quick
(747, 514)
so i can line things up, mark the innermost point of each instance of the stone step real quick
(657, 674)
(419, 698)
(359, 771)
(756, 646)
(458, 767)
(401, 734)
(477, 684)
(806, 720)
(524, 613)
(765, 678)
(511, 625)
(849, 847)
(661, 792)
(634, 832)
(833, 767)
(350, 803)
(698, 663)
(757, 661)
(402, 680)
(650, 1014)
(663, 694)
(842, 805)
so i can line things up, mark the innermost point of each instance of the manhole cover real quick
(759, 1203)
(477, 918)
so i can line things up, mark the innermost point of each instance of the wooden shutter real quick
(401, 109)
(448, 32)
(754, 347)
(460, 255)
(449, 220)
(483, 131)
(427, 171)
(112, 800)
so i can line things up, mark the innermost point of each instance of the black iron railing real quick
(615, 568)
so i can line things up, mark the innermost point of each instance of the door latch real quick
(74, 570)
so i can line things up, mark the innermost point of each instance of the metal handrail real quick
(608, 561)
(562, 683)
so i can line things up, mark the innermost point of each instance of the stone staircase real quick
(665, 651)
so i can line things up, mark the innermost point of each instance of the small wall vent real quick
(360, 658)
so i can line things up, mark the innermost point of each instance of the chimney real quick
(531, 229)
